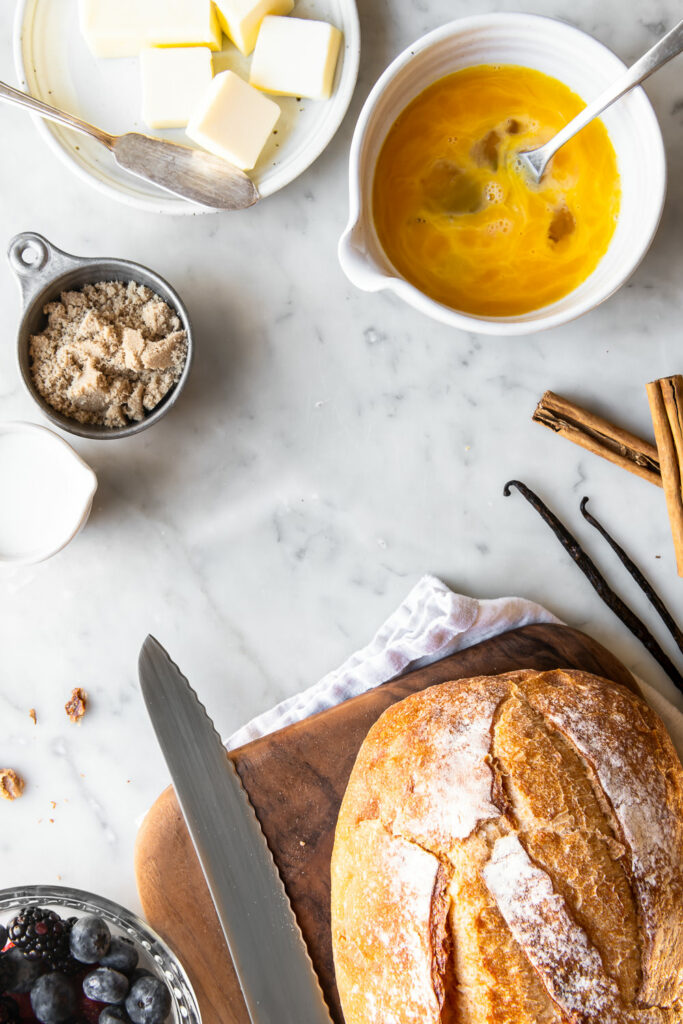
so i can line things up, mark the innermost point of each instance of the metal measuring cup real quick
(43, 272)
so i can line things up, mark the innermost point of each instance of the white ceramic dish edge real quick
(370, 274)
(42, 554)
(157, 202)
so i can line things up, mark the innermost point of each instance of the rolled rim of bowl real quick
(125, 270)
(367, 275)
(42, 554)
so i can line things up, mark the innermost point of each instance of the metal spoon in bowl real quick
(189, 173)
(535, 161)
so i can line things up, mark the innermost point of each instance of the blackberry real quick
(39, 934)
(64, 961)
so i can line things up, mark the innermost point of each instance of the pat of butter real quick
(174, 79)
(121, 28)
(296, 57)
(233, 120)
(241, 19)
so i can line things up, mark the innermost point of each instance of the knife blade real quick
(268, 951)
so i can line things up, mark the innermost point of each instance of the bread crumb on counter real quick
(109, 353)
(32, 715)
(77, 705)
(11, 784)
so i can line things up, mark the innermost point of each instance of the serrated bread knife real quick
(271, 960)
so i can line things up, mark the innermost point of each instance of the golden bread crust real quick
(510, 851)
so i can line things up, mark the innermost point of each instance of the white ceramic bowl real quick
(54, 64)
(557, 49)
(47, 496)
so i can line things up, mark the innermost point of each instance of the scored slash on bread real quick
(510, 851)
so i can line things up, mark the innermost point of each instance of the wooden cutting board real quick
(296, 779)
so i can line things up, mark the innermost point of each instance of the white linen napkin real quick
(431, 623)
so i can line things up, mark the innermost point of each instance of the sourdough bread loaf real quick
(510, 851)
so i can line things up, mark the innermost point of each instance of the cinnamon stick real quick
(599, 436)
(666, 406)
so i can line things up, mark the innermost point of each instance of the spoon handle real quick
(22, 99)
(669, 46)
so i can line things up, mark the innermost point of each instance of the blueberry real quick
(53, 998)
(8, 972)
(122, 955)
(106, 986)
(149, 1001)
(113, 1015)
(3, 936)
(138, 973)
(9, 1010)
(20, 974)
(90, 939)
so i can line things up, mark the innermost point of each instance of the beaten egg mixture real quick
(455, 213)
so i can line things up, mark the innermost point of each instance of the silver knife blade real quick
(191, 173)
(267, 948)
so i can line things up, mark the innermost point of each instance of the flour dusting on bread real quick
(648, 804)
(457, 764)
(397, 906)
(569, 967)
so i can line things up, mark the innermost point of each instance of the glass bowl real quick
(154, 954)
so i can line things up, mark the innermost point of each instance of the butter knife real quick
(190, 173)
(268, 951)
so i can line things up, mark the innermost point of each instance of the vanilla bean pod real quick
(642, 581)
(598, 581)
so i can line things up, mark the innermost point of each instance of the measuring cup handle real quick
(28, 253)
(34, 260)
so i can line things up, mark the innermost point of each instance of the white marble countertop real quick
(330, 448)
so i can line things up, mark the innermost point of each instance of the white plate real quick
(55, 65)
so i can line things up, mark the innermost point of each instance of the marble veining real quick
(330, 448)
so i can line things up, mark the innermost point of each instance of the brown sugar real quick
(77, 705)
(11, 784)
(109, 353)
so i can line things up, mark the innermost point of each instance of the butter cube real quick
(174, 79)
(296, 57)
(241, 19)
(184, 23)
(121, 28)
(233, 120)
(113, 28)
